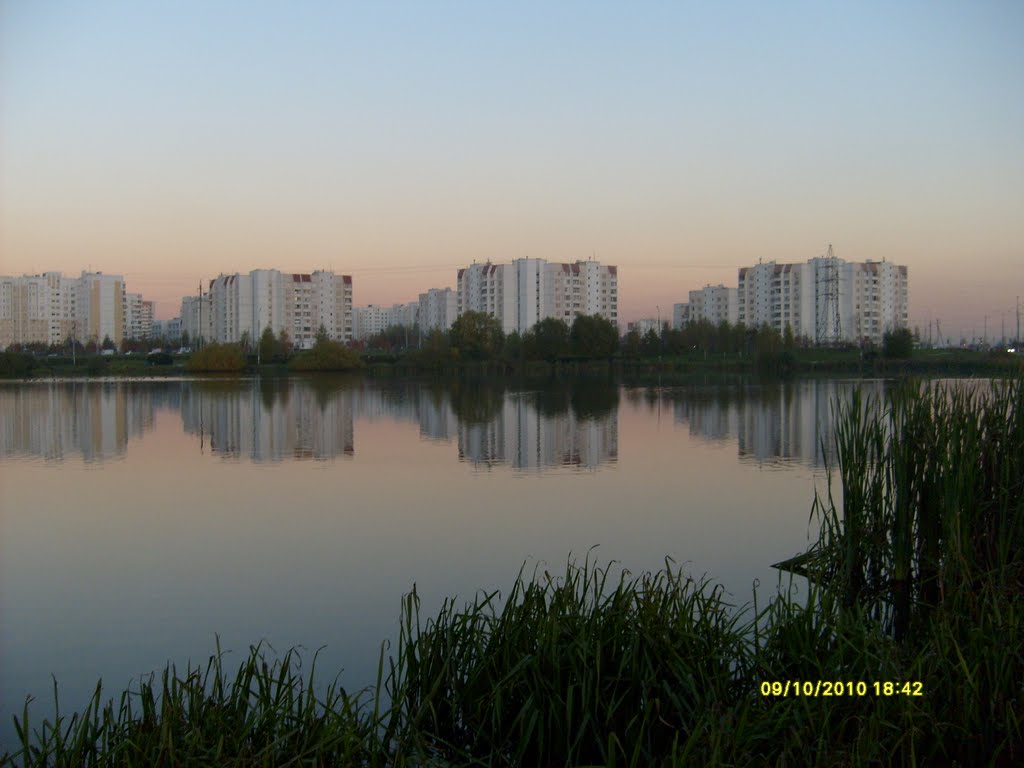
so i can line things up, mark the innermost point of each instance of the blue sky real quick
(396, 141)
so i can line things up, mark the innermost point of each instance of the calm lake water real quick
(141, 519)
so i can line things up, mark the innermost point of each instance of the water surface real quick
(141, 519)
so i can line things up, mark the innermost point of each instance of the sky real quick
(398, 141)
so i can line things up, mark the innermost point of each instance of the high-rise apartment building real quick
(319, 299)
(196, 318)
(100, 308)
(826, 299)
(138, 316)
(374, 319)
(25, 306)
(712, 303)
(299, 304)
(438, 309)
(51, 308)
(526, 291)
(680, 315)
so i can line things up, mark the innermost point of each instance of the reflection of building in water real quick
(278, 420)
(430, 409)
(55, 420)
(271, 422)
(791, 422)
(522, 436)
(709, 417)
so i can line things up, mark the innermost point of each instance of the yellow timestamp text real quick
(835, 688)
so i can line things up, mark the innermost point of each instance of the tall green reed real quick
(932, 498)
(577, 669)
(264, 713)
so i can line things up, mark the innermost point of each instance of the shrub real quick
(217, 358)
(16, 364)
(326, 355)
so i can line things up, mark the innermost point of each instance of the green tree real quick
(898, 344)
(108, 343)
(435, 352)
(284, 344)
(476, 336)
(245, 342)
(770, 353)
(593, 336)
(16, 364)
(267, 348)
(650, 344)
(547, 340)
(184, 338)
(631, 344)
(513, 347)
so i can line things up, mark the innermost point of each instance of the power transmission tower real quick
(827, 304)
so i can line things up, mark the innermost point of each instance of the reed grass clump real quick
(575, 670)
(932, 500)
(265, 713)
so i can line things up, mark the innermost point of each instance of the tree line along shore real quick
(476, 343)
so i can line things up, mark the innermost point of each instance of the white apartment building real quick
(50, 308)
(172, 329)
(438, 309)
(826, 299)
(196, 318)
(266, 298)
(166, 329)
(491, 289)
(100, 308)
(314, 300)
(587, 288)
(526, 291)
(243, 305)
(644, 325)
(374, 319)
(680, 315)
(138, 316)
(25, 308)
(878, 300)
(712, 303)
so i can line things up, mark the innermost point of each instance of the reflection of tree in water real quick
(216, 387)
(274, 389)
(595, 401)
(327, 387)
(400, 393)
(552, 400)
(477, 402)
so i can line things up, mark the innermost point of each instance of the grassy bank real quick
(622, 368)
(913, 622)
